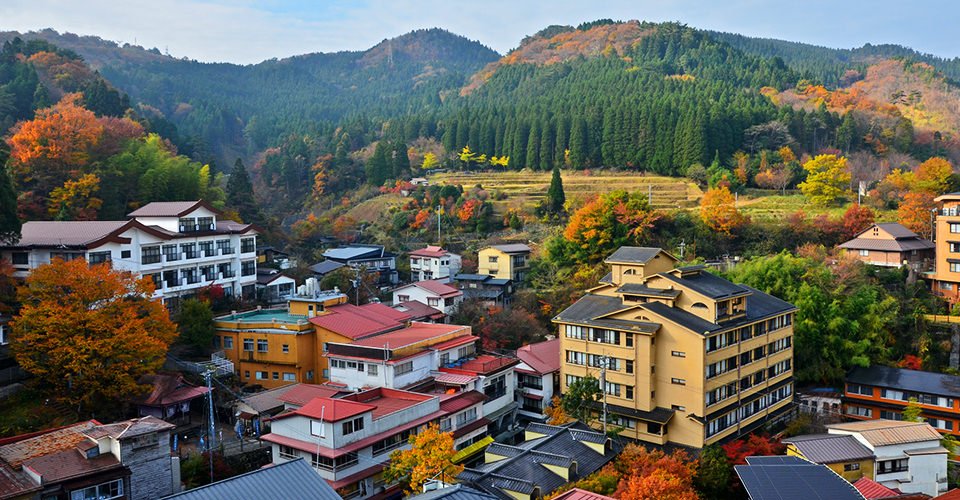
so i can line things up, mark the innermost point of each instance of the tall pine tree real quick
(240, 194)
(555, 196)
(9, 221)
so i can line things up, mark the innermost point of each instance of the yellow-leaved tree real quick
(827, 179)
(430, 457)
(719, 211)
(87, 333)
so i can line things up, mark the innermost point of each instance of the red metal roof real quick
(872, 490)
(357, 322)
(418, 309)
(454, 378)
(460, 401)
(578, 494)
(442, 289)
(331, 409)
(414, 334)
(302, 394)
(543, 357)
(459, 341)
(430, 251)
(387, 401)
(953, 494)
(483, 364)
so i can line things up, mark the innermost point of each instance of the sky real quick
(250, 31)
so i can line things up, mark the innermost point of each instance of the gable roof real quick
(67, 233)
(543, 357)
(940, 384)
(326, 266)
(332, 410)
(453, 492)
(889, 432)
(293, 479)
(830, 448)
(430, 251)
(167, 389)
(872, 490)
(418, 310)
(171, 209)
(707, 284)
(356, 322)
(357, 251)
(793, 481)
(301, 394)
(578, 494)
(513, 248)
(433, 286)
(894, 229)
(635, 255)
(15, 451)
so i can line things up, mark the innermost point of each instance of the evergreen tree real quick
(9, 221)
(240, 195)
(555, 196)
(533, 147)
(379, 167)
(401, 162)
(578, 144)
(847, 132)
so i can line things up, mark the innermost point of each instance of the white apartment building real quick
(909, 456)
(349, 440)
(182, 245)
(433, 263)
(538, 378)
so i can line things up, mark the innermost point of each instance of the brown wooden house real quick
(890, 244)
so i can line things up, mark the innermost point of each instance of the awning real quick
(533, 396)
(472, 449)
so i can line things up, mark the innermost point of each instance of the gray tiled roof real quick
(454, 492)
(633, 255)
(165, 209)
(293, 479)
(829, 448)
(776, 460)
(513, 248)
(759, 305)
(66, 233)
(907, 380)
(707, 284)
(526, 470)
(898, 245)
(643, 289)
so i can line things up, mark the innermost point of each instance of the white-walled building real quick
(909, 456)
(538, 377)
(441, 296)
(433, 263)
(182, 245)
(349, 440)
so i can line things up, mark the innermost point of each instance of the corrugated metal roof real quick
(454, 492)
(872, 490)
(578, 494)
(293, 479)
(543, 357)
(830, 448)
(888, 432)
(940, 384)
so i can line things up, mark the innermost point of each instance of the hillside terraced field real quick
(526, 188)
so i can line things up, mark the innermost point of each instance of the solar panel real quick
(777, 460)
(795, 482)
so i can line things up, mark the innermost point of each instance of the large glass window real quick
(248, 245)
(105, 491)
(248, 268)
(150, 255)
(224, 247)
(98, 257)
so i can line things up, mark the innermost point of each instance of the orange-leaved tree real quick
(915, 211)
(87, 333)
(658, 485)
(654, 475)
(554, 412)
(719, 212)
(430, 457)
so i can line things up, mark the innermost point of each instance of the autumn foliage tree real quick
(915, 210)
(430, 456)
(827, 179)
(607, 222)
(719, 211)
(87, 333)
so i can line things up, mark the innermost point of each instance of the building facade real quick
(509, 262)
(371, 259)
(689, 358)
(946, 230)
(538, 378)
(433, 263)
(889, 244)
(883, 392)
(182, 246)
(840, 452)
(494, 292)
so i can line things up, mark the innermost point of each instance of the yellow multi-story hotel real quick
(690, 357)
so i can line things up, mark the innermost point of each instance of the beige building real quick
(946, 273)
(691, 358)
(509, 262)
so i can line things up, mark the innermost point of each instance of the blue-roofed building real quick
(691, 359)
(495, 292)
(293, 479)
(792, 478)
(369, 258)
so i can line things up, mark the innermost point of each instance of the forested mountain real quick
(239, 110)
(828, 65)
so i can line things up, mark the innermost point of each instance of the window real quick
(248, 345)
(286, 349)
(891, 466)
(98, 257)
(150, 255)
(859, 411)
(466, 417)
(851, 467)
(494, 258)
(612, 389)
(205, 224)
(188, 224)
(360, 367)
(225, 269)
(863, 253)
(171, 252)
(445, 425)
(372, 369)
(20, 258)
(403, 298)
(207, 248)
(628, 391)
(955, 228)
(105, 491)
(190, 250)
(678, 408)
(351, 426)
(943, 285)
(678, 354)
(955, 267)
(3, 335)
(630, 366)
(678, 381)
(261, 345)
(309, 375)
(864, 390)
(246, 374)
(605, 336)
(576, 358)
(495, 388)
(224, 247)
(577, 332)
(404, 368)
(276, 375)
(289, 377)
(227, 342)
(263, 375)
(248, 268)
(248, 245)
(629, 339)
(289, 453)
(433, 301)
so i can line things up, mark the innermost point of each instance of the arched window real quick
(699, 305)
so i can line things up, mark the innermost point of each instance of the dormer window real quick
(699, 305)
(205, 224)
(188, 224)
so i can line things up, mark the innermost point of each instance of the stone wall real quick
(151, 471)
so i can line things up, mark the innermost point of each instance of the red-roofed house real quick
(399, 358)
(169, 397)
(420, 312)
(433, 293)
(349, 440)
(538, 377)
(129, 460)
(872, 490)
(578, 494)
(433, 262)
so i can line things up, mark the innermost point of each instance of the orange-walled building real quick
(883, 392)
(946, 273)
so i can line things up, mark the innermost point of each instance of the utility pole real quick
(439, 211)
(208, 375)
(683, 243)
(603, 390)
